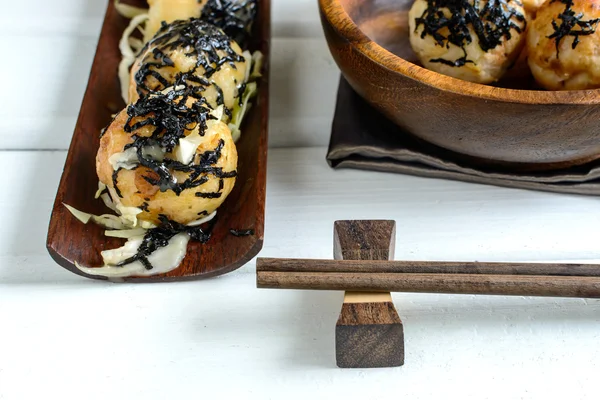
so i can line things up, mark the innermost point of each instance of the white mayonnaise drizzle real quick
(128, 159)
(163, 260)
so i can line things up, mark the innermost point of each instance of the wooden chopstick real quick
(509, 285)
(424, 267)
(560, 280)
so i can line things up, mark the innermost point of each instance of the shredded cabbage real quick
(129, 48)
(257, 62)
(248, 57)
(146, 225)
(239, 111)
(218, 112)
(109, 221)
(253, 72)
(129, 214)
(129, 11)
(126, 233)
(186, 150)
(105, 220)
(101, 189)
(80, 215)
(108, 202)
(125, 213)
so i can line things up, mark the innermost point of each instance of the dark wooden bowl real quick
(70, 241)
(510, 124)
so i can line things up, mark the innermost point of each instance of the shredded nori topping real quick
(241, 232)
(241, 90)
(115, 177)
(159, 237)
(208, 44)
(571, 25)
(208, 195)
(491, 23)
(169, 115)
(235, 17)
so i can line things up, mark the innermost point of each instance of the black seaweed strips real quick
(492, 23)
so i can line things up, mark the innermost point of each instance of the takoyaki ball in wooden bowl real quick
(563, 45)
(475, 42)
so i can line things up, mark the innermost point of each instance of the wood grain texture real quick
(506, 285)
(376, 313)
(368, 333)
(70, 241)
(519, 129)
(364, 240)
(424, 267)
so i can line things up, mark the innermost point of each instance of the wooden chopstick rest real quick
(369, 332)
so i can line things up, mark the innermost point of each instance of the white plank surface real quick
(223, 337)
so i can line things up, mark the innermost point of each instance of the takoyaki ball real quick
(160, 11)
(195, 53)
(477, 47)
(135, 185)
(564, 53)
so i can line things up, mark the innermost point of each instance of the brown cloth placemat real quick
(362, 138)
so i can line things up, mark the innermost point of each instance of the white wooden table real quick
(63, 336)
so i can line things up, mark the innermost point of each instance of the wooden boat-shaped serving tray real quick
(71, 241)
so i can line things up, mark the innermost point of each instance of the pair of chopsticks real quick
(557, 280)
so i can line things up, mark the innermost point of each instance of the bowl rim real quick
(345, 26)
